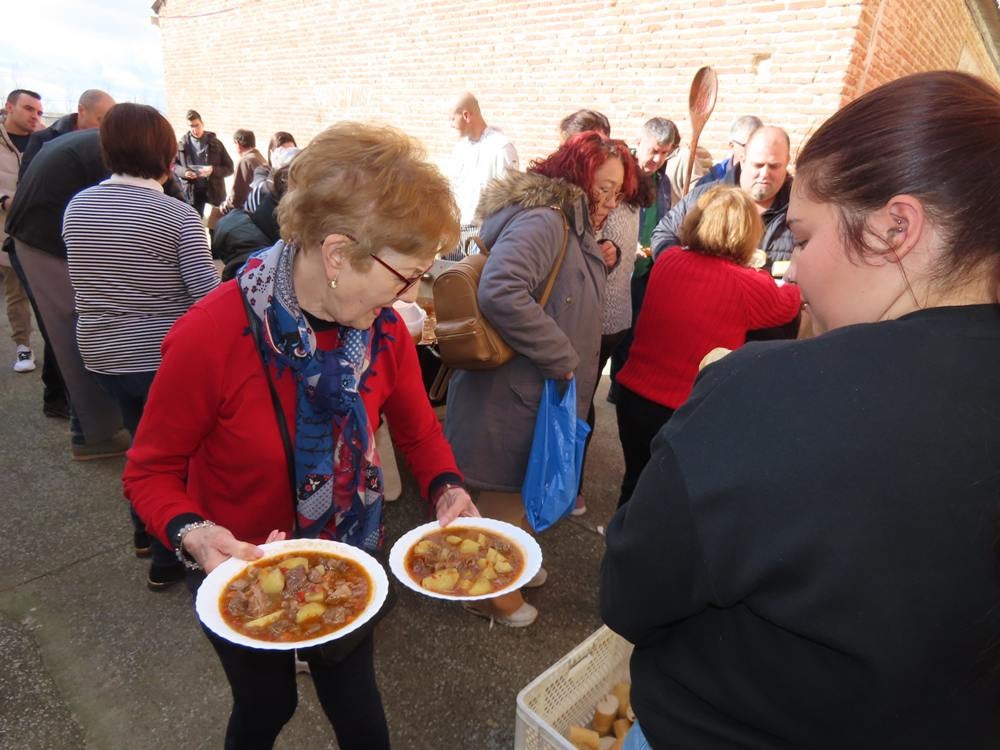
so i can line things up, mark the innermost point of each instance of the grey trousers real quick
(48, 277)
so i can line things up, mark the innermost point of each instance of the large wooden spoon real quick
(701, 102)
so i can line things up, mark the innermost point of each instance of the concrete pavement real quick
(92, 659)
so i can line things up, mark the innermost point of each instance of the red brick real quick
(530, 62)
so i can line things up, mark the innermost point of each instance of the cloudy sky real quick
(59, 48)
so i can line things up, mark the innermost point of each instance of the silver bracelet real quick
(182, 554)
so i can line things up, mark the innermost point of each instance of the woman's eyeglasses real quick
(408, 281)
(604, 193)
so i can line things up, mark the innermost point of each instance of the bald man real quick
(90, 111)
(482, 153)
(762, 173)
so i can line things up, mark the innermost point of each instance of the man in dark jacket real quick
(90, 111)
(763, 175)
(63, 168)
(202, 165)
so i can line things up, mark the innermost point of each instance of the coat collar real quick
(531, 190)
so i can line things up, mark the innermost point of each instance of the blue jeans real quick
(636, 740)
(129, 391)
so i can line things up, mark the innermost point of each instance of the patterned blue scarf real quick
(337, 469)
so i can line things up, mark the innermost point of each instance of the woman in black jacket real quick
(846, 598)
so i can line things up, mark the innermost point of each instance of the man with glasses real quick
(739, 134)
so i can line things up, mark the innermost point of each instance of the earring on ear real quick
(333, 283)
(898, 229)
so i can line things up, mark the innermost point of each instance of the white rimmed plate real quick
(207, 601)
(529, 549)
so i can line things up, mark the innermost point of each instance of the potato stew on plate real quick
(295, 596)
(464, 561)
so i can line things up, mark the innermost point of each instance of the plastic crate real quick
(566, 693)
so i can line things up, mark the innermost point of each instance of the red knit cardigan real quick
(693, 304)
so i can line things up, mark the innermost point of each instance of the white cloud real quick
(62, 47)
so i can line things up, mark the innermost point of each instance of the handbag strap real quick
(551, 281)
(558, 264)
(279, 412)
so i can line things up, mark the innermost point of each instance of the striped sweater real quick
(138, 259)
(693, 304)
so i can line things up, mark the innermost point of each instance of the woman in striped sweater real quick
(700, 296)
(138, 259)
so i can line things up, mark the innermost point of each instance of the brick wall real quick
(299, 65)
(898, 37)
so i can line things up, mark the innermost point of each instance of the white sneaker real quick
(25, 359)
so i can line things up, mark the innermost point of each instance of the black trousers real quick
(609, 342)
(639, 420)
(265, 695)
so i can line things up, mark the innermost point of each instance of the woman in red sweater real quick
(210, 472)
(700, 296)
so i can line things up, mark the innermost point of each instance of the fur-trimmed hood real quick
(528, 190)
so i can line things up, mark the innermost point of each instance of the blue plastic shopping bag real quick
(556, 459)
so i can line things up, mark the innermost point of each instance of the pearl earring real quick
(333, 283)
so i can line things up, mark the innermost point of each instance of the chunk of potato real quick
(501, 558)
(272, 581)
(482, 540)
(293, 562)
(491, 555)
(481, 563)
(480, 587)
(503, 567)
(489, 573)
(452, 539)
(423, 547)
(443, 581)
(263, 622)
(469, 546)
(309, 611)
(465, 584)
(315, 595)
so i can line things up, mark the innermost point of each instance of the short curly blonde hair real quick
(723, 223)
(372, 183)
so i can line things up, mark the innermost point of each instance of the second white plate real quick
(529, 548)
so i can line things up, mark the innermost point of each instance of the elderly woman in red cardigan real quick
(362, 220)
(700, 296)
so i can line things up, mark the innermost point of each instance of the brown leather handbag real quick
(466, 339)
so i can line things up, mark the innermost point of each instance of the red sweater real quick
(693, 304)
(208, 443)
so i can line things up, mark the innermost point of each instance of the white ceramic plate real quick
(529, 548)
(207, 600)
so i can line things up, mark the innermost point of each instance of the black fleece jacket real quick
(848, 598)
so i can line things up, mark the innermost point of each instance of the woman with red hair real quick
(491, 414)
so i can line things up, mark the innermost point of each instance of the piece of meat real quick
(317, 573)
(296, 579)
(237, 604)
(279, 626)
(239, 584)
(335, 615)
(258, 603)
(342, 591)
(359, 587)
